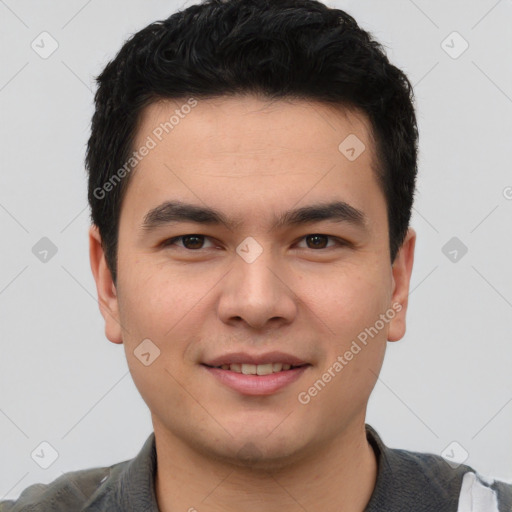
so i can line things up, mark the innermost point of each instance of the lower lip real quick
(257, 384)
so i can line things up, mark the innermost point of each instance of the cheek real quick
(154, 301)
(158, 308)
(169, 310)
(355, 344)
(347, 300)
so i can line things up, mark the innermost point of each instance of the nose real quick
(258, 294)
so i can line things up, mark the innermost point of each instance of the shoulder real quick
(483, 494)
(430, 478)
(68, 493)
(126, 485)
(427, 482)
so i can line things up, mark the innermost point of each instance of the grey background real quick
(449, 379)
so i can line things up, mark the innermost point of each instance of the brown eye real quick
(316, 241)
(193, 241)
(190, 242)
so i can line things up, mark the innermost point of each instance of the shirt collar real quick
(130, 485)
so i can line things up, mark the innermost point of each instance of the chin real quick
(258, 451)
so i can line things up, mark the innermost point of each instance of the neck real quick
(339, 477)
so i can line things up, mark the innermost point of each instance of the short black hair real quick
(277, 49)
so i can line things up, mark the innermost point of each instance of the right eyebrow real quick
(177, 211)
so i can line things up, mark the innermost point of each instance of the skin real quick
(218, 449)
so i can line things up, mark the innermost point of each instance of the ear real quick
(107, 293)
(401, 276)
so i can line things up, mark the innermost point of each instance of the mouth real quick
(257, 369)
(256, 375)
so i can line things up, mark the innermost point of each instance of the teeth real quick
(249, 369)
(256, 369)
(264, 369)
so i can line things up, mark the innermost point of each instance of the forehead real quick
(246, 124)
(251, 153)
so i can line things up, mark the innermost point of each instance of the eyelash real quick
(171, 241)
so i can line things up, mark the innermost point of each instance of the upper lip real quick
(243, 357)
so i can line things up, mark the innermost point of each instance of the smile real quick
(257, 369)
(256, 380)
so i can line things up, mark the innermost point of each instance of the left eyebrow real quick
(178, 211)
(336, 211)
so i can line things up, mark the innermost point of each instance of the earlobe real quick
(105, 287)
(401, 277)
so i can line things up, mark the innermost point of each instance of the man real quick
(252, 169)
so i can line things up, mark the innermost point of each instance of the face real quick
(288, 264)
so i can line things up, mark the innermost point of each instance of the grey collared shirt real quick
(406, 481)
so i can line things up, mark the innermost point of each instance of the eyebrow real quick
(178, 211)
